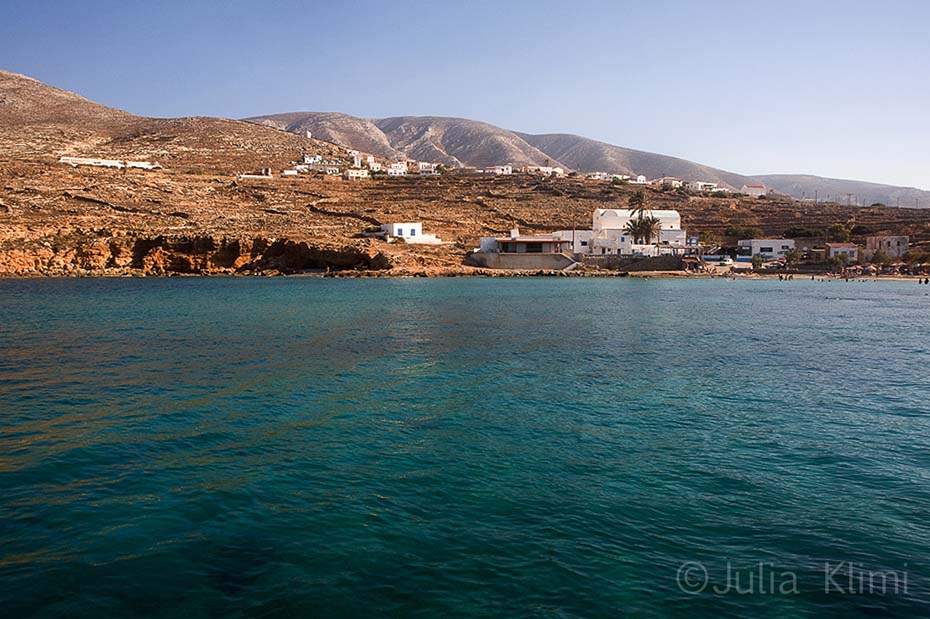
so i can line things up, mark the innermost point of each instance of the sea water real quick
(464, 447)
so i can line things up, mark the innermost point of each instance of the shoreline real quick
(440, 273)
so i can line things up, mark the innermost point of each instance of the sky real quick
(824, 87)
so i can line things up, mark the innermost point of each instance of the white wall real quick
(767, 248)
(404, 230)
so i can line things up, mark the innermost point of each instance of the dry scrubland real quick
(195, 217)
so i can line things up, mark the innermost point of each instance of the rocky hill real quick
(194, 216)
(40, 121)
(462, 142)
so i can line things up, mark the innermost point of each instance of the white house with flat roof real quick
(411, 232)
(609, 234)
(894, 246)
(849, 250)
(354, 175)
(701, 186)
(770, 249)
(754, 191)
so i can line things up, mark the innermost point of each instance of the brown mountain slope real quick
(459, 142)
(462, 142)
(38, 121)
(360, 133)
(588, 155)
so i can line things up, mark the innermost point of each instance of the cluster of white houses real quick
(608, 236)
(360, 168)
(894, 247)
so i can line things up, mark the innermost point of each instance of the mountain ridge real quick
(462, 142)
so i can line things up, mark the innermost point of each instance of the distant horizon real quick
(785, 89)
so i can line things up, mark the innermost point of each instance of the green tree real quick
(839, 233)
(757, 262)
(639, 203)
(793, 256)
(881, 257)
(644, 229)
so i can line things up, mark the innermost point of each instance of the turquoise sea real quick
(301, 447)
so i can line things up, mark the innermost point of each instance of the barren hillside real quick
(194, 216)
(463, 142)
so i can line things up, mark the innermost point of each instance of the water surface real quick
(459, 447)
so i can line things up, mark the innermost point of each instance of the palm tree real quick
(652, 228)
(644, 229)
(639, 203)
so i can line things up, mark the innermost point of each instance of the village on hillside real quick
(636, 238)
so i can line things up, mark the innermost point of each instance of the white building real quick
(311, 159)
(354, 175)
(668, 182)
(599, 176)
(849, 250)
(429, 172)
(544, 170)
(701, 186)
(609, 234)
(331, 170)
(398, 168)
(374, 166)
(578, 240)
(411, 232)
(754, 191)
(109, 163)
(894, 246)
(639, 180)
(770, 249)
(500, 170)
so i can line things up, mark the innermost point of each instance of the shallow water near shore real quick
(462, 447)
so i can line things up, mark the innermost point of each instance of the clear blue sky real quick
(823, 87)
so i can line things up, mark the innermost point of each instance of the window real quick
(413, 231)
(766, 250)
(584, 243)
(534, 248)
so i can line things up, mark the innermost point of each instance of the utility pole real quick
(816, 196)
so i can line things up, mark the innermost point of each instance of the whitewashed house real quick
(598, 176)
(500, 170)
(639, 180)
(770, 249)
(668, 182)
(579, 241)
(398, 168)
(609, 234)
(411, 232)
(701, 186)
(849, 250)
(109, 163)
(356, 174)
(544, 170)
(754, 191)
